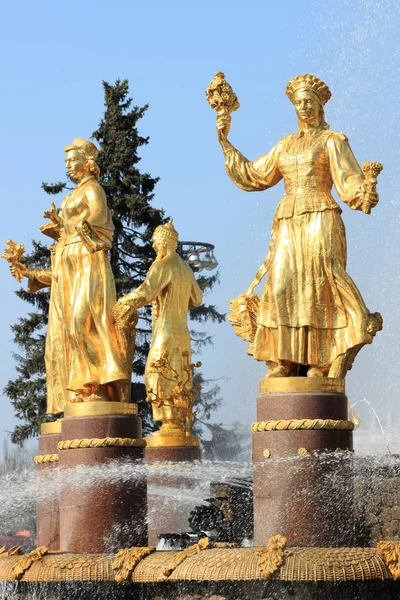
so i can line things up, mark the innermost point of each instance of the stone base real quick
(47, 503)
(101, 511)
(303, 485)
(169, 504)
(172, 454)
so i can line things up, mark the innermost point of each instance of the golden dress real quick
(171, 287)
(310, 309)
(81, 344)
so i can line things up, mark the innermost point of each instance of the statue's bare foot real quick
(279, 371)
(315, 372)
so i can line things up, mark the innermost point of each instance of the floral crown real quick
(166, 232)
(308, 83)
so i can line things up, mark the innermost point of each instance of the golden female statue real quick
(310, 312)
(83, 357)
(170, 286)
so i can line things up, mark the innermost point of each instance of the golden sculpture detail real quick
(220, 95)
(127, 559)
(13, 254)
(25, 562)
(45, 458)
(273, 556)
(171, 288)
(213, 563)
(108, 442)
(203, 544)
(302, 424)
(13, 551)
(183, 394)
(390, 551)
(310, 318)
(87, 357)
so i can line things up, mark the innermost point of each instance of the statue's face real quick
(157, 244)
(307, 107)
(75, 163)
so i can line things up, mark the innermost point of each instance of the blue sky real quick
(54, 58)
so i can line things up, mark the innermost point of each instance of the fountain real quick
(101, 507)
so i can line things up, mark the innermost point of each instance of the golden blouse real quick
(310, 165)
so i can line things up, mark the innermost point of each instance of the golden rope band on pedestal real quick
(101, 443)
(301, 424)
(45, 458)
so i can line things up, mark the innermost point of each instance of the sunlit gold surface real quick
(273, 556)
(51, 428)
(310, 311)
(270, 385)
(109, 442)
(210, 564)
(171, 288)
(172, 440)
(302, 424)
(94, 409)
(41, 459)
(83, 357)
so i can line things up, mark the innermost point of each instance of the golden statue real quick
(171, 288)
(311, 313)
(85, 358)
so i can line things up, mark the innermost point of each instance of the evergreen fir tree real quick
(129, 196)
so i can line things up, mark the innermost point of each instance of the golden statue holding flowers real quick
(88, 355)
(310, 318)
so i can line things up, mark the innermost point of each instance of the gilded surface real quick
(310, 311)
(25, 562)
(91, 409)
(334, 564)
(13, 551)
(109, 442)
(391, 555)
(171, 288)
(273, 556)
(270, 385)
(40, 459)
(126, 560)
(302, 424)
(51, 428)
(84, 360)
(215, 564)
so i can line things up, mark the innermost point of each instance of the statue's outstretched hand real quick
(223, 126)
(52, 214)
(18, 270)
(370, 200)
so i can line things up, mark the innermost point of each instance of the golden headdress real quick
(308, 83)
(167, 232)
(88, 149)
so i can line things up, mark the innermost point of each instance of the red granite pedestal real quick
(169, 479)
(103, 491)
(302, 445)
(47, 501)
